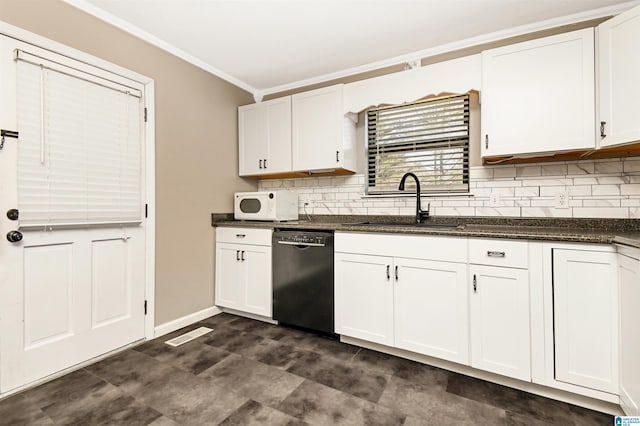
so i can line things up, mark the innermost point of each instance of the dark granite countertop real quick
(605, 231)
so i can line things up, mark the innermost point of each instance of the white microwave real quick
(266, 205)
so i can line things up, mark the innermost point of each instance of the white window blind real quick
(429, 138)
(79, 152)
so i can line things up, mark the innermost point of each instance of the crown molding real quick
(157, 42)
(445, 48)
(459, 45)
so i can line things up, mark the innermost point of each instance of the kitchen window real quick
(429, 138)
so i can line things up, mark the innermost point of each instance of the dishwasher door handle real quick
(293, 243)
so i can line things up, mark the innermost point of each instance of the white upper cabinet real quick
(323, 137)
(264, 136)
(618, 81)
(538, 96)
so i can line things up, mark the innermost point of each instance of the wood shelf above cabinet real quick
(334, 172)
(631, 150)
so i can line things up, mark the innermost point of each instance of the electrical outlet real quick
(494, 199)
(562, 199)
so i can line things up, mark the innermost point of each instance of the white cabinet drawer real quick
(513, 254)
(446, 249)
(258, 237)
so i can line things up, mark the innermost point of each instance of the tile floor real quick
(248, 372)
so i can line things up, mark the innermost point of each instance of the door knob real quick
(14, 236)
(12, 214)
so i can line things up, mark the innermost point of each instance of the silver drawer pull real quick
(240, 235)
(496, 254)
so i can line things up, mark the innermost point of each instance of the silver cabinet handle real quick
(396, 268)
(337, 156)
(496, 254)
(486, 141)
(388, 275)
(260, 163)
(242, 255)
(237, 255)
(602, 132)
(264, 162)
(241, 235)
(475, 283)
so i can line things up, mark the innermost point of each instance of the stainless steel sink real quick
(410, 225)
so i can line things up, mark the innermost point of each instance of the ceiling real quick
(267, 46)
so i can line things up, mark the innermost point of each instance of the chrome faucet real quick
(420, 214)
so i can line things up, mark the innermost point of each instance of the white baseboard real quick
(184, 321)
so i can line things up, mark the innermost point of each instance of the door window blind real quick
(429, 138)
(79, 154)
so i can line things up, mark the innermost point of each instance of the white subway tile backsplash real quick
(477, 173)
(630, 166)
(601, 212)
(384, 211)
(528, 171)
(546, 182)
(504, 172)
(499, 183)
(630, 202)
(580, 190)
(455, 203)
(608, 167)
(597, 188)
(554, 170)
(454, 211)
(605, 190)
(551, 191)
(498, 211)
(545, 212)
(584, 168)
(630, 189)
(601, 203)
(528, 191)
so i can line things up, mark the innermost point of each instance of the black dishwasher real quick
(303, 279)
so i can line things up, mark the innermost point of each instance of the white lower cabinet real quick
(364, 297)
(499, 306)
(585, 318)
(629, 278)
(430, 308)
(550, 313)
(499, 303)
(414, 304)
(243, 270)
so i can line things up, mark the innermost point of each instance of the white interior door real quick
(73, 287)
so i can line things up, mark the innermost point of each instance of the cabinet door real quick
(229, 280)
(317, 122)
(538, 96)
(500, 332)
(629, 276)
(618, 70)
(264, 137)
(431, 309)
(252, 139)
(278, 157)
(585, 299)
(256, 272)
(364, 297)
